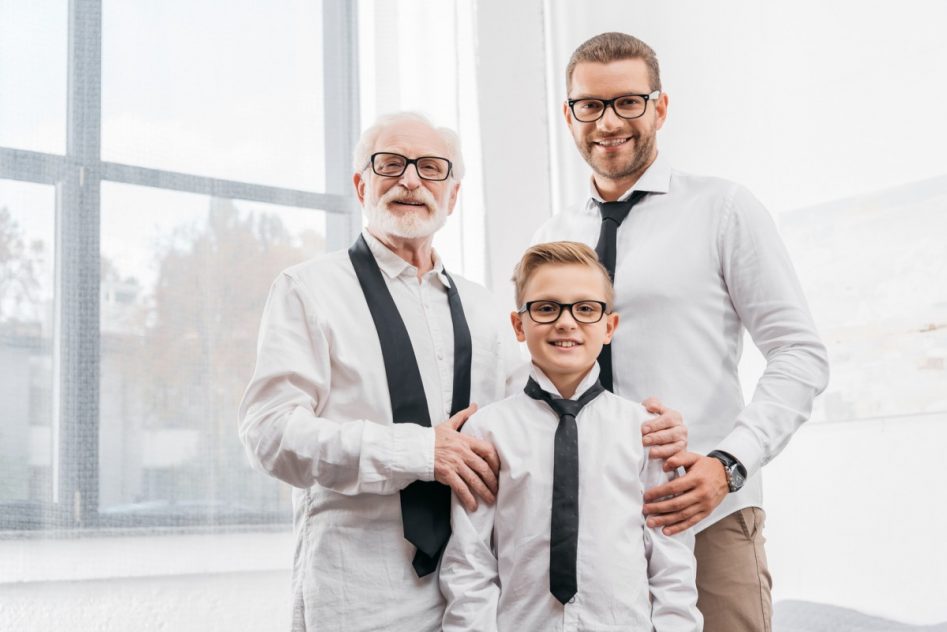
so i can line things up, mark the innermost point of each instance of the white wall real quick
(801, 101)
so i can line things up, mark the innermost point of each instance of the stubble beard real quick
(643, 152)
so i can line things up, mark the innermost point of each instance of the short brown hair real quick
(558, 252)
(609, 47)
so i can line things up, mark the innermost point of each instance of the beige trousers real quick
(733, 580)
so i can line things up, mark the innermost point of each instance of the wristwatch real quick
(736, 473)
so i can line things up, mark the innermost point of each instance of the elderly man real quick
(696, 261)
(362, 355)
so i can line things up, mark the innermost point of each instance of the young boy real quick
(565, 546)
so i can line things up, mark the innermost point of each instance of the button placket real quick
(432, 298)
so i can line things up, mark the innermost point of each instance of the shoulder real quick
(626, 410)
(486, 420)
(704, 186)
(727, 204)
(320, 268)
(323, 280)
(322, 275)
(485, 313)
(471, 289)
(561, 224)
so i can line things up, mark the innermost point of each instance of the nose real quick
(610, 120)
(410, 178)
(566, 320)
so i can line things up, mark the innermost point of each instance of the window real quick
(155, 175)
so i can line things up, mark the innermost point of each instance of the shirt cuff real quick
(412, 451)
(743, 445)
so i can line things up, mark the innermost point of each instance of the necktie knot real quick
(565, 407)
(616, 211)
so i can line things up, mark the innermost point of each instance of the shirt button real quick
(572, 600)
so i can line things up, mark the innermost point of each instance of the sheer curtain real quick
(419, 55)
(159, 164)
(831, 113)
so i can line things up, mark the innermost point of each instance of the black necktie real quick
(425, 505)
(564, 527)
(613, 214)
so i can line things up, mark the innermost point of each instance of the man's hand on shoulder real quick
(469, 466)
(688, 499)
(666, 434)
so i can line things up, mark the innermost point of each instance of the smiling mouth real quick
(565, 344)
(408, 203)
(612, 142)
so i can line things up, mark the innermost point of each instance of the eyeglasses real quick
(392, 165)
(628, 106)
(545, 312)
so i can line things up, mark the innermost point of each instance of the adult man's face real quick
(616, 148)
(407, 206)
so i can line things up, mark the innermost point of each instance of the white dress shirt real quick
(495, 570)
(699, 260)
(317, 415)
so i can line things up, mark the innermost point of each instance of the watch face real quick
(736, 478)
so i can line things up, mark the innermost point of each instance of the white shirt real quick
(317, 415)
(699, 260)
(495, 570)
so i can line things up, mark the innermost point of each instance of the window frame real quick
(77, 176)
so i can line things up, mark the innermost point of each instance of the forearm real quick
(351, 457)
(781, 403)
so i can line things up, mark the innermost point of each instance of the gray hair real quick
(366, 143)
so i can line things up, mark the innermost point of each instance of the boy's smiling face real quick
(566, 349)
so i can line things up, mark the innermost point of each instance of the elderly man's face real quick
(407, 206)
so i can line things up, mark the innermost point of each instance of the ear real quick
(455, 189)
(360, 184)
(567, 114)
(661, 109)
(611, 324)
(517, 321)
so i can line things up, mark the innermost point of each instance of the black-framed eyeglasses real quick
(627, 106)
(545, 312)
(391, 165)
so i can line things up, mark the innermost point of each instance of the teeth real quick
(564, 343)
(612, 142)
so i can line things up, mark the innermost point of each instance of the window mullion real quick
(340, 83)
(77, 276)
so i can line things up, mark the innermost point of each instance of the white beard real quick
(423, 222)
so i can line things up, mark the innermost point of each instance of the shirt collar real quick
(394, 266)
(546, 384)
(655, 179)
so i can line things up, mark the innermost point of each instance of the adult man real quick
(330, 382)
(360, 354)
(695, 261)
